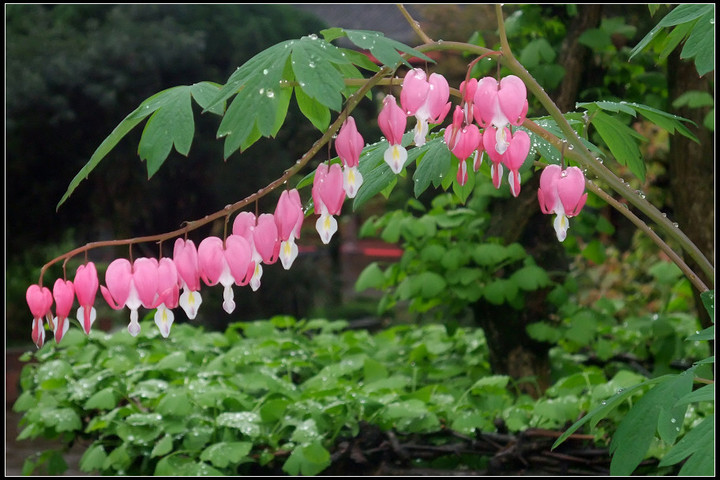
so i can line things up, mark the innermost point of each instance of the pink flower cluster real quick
(157, 284)
(238, 259)
(486, 104)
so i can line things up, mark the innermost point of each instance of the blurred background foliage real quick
(75, 71)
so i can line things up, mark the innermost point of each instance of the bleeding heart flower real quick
(328, 197)
(392, 122)
(40, 300)
(64, 295)
(86, 286)
(500, 104)
(562, 192)
(289, 217)
(186, 261)
(349, 145)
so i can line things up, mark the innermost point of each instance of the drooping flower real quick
(562, 192)
(349, 145)
(328, 197)
(462, 173)
(288, 217)
(514, 157)
(226, 263)
(392, 122)
(261, 233)
(186, 261)
(426, 99)
(168, 295)
(489, 141)
(64, 295)
(131, 285)
(467, 91)
(86, 286)
(40, 300)
(462, 139)
(500, 104)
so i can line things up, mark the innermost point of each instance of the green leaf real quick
(535, 51)
(312, 63)
(173, 361)
(694, 99)
(93, 459)
(433, 165)
(499, 291)
(119, 459)
(705, 334)
(376, 176)
(25, 402)
(464, 191)
(595, 39)
(330, 34)
(600, 412)
(681, 14)
(204, 93)
(702, 394)
(175, 403)
(686, 13)
(544, 332)
(162, 447)
(172, 124)
(315, 111)
(246, 422)
(430, 284)
(262, 95)
(63, 419)
(665, 120)
(488, 254)
(530, 278)
(383, 48)
(225, 453)
(307, 460)
(595, 252)
(700, 42)
(620, 139)
(698, 445)
(636, 431)
(102, 400)
(708, 300)
(372, 276)
(360, 60)
(175, 465)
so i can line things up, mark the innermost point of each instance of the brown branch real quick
(352, 102)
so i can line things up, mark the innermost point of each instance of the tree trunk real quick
(692, 170)
(512, 351)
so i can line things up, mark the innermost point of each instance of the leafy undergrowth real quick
(305, 397)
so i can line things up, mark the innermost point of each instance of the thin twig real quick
(414, 24)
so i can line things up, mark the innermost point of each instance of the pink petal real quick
(86, 283)
(266, 239)
(39, 299)
(145, 277)
(185, 257)
(415, 89)
(392, 121)
(512, 97)
(64, 295)
(211, 258)
(349, 143)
